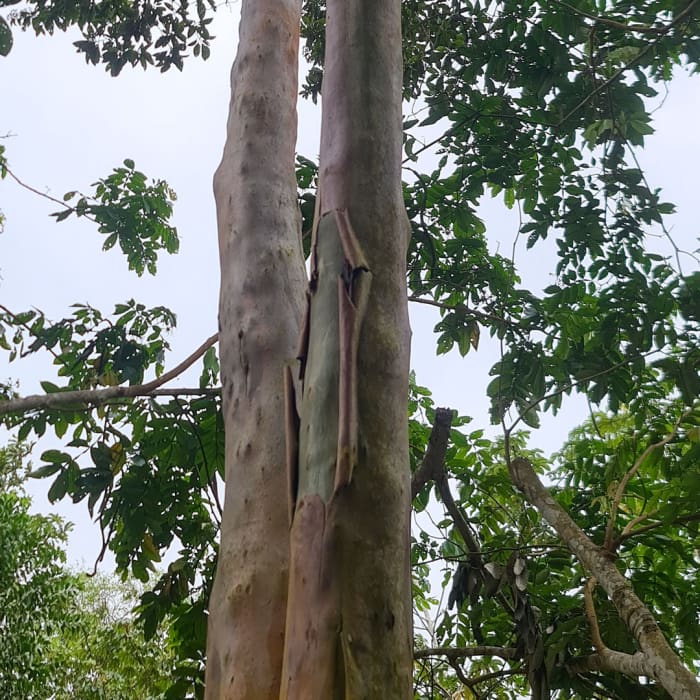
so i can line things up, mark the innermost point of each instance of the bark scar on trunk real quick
(291, 435)
(353, 292)
(337, 300)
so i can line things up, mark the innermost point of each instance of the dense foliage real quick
(101, 653)
(545, 106)
(65, 635)
(35, 589)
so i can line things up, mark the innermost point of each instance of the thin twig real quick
(591, 616)
(641, 28)
(692, 517)
(26, 326)
(598, 88)
(508, 430)
(43, 194)
(466, 309)
(619, 492)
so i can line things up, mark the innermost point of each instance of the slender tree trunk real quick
(261, 306)
(349, 608)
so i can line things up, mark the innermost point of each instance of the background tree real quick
(101, 651)
(66, 635)
(35, 589)
(546, 106)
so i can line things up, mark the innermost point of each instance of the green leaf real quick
(50, 387)
(62, 215)
(55, 456)
(5, 38)
(59, 487)
(45, 470)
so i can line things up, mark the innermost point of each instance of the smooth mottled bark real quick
(261, 304)
(349, 608)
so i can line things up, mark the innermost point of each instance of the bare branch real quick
(186, 391)
(589, 608)
(94, 397)
(496, 674)
(42, 194)
(456, 653)
(434, 458)
(432, 468)
(458, 517)
(607, 661)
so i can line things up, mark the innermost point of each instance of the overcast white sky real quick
(71, 123)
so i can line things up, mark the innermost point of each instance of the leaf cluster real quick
(35, 590)
(131, 212)
(545, 107)
(117, 34)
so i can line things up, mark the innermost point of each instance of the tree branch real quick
(620, 491)
(609, 661)
(94, 397)
(432, 468)
(628, 533)
(507, 430)
(26, 326)
(598, 88)
(456, 653)
(589, 608)
(659, 660)
(458, 518)
(615, 24)
(434, 458)
(606, 659)
(42, 194)
(482, 316)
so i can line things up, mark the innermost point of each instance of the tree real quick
(35, 589)
(101, 652)
(543, 104)
(66, 635)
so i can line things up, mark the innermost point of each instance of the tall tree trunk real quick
(349, 608)
(261, 306)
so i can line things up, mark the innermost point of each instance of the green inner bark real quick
(318, 438)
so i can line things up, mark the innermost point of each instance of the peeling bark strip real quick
(337, 300)
(353, 292)
(319, 432)
(348, 633)
(657, 657)
(291, 433)
(260, 312)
